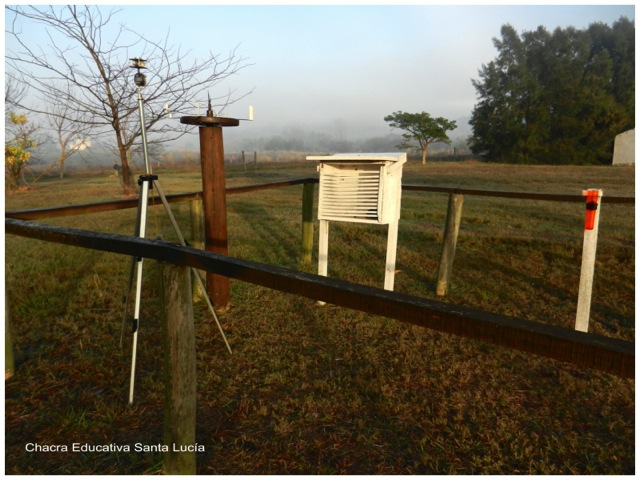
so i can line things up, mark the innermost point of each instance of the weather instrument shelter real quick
(360, 188)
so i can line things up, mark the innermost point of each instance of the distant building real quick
(624, 148)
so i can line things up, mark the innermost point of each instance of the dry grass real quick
(312, 390)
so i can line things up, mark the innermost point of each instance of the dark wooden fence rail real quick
(551, 197)
(607, 354)
(63, 211)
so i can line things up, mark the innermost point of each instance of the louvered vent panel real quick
(350, 194)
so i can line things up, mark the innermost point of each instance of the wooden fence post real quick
(255, 160)
(197, 236)
(454, 214)
(307, 221)
(197, 224)
(179, 371)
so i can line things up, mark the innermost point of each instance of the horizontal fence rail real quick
(607, 354)
(69, 210)
(552, 197)
(63, 211)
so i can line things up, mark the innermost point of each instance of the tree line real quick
(556, 97)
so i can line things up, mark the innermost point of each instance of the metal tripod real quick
(147, 182)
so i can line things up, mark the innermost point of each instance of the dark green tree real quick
(420, 128)
(556, 97)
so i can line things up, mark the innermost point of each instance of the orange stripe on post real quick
(592, 207)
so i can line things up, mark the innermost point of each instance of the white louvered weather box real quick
(360, 188)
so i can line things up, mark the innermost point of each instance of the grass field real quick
(325, 390)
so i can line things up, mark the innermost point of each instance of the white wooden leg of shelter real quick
(323, 250)
(392, 244)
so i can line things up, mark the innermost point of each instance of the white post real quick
(323, 250)
(392, 246)
(592, 220)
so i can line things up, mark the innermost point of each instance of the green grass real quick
(325, 390)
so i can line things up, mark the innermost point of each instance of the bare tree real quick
(97, 81)
(71, 135)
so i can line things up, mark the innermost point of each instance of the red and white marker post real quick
(592, 219)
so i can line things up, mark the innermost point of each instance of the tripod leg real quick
(208, 300)
(144, 198)
(132, 268)
(136, 324)
(184, 244)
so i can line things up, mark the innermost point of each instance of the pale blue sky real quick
(343, 68)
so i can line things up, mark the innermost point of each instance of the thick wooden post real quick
(215, 208)
(214, 196)
(454, 214)
(307, 221)
(180, 372)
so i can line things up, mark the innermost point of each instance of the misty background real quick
(323, 77)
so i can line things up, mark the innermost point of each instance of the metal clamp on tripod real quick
(146, 183)
(147, 178)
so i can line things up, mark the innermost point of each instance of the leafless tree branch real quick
(87, 69)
